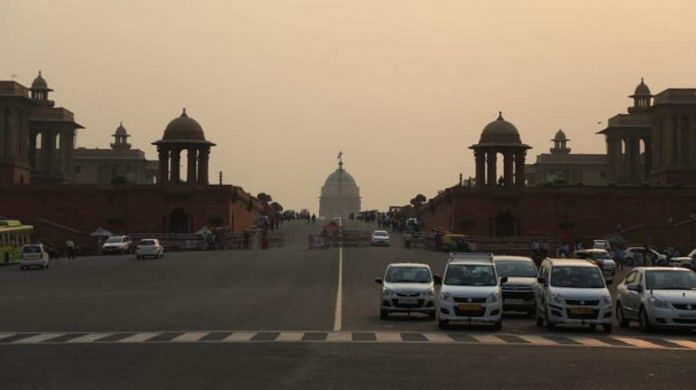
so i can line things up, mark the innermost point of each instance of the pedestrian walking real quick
(70, 249)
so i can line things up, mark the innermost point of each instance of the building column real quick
(647, 141)
(48, 138)
(507, 168)
(32, 149)
(491, 167)
(163, 176)
(66, 145)
(519, 168)
(611, 159)
(191, 169)
(480, 168)
(203, 155)
(175, 159)
(633, 160)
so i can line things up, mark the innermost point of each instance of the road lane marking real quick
(340, 337)
(138, 337)
(239, 337)
(38, 338)
(189, 337)
(638, 342)
(88, 338)
(388, 337)
(537, 340)
(589, 341)
(684, 343)
(290, 336)
(339, 290)
(438, 338)
(488, 339)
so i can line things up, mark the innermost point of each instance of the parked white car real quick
(573, 292)
(471, 292)
(117, 245)
(149, 247)
(408, 288)
(380, 237)
(657, 297)
(33, 255)
(601, 257)
(636, 256)
(601, 244)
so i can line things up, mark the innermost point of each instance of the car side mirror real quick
(437, 279)
(635, 287)
(378, 280)
(503, 280)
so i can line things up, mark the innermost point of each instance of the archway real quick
(178, 222)
(505, 225)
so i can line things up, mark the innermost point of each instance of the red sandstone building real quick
(650, 196)
(40, 191)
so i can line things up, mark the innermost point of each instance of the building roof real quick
(560, 136)
(184, 128)
(642, 90)
(342, 176)
(121, 131)
(500, 131)
(571, 159)
(40, 83)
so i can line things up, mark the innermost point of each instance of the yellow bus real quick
(13, 235)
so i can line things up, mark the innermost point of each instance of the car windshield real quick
(31, 249)
(470, 275)
(381, 234)
(147, 242)
(113, 240)
(577, 277)
(408, 275)
(512, 268)
(670, 280)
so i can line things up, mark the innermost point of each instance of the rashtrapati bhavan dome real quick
(340, 195)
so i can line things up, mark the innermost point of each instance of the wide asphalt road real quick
(279, 318)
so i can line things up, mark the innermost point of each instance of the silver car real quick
(407, 288)
(657, 297)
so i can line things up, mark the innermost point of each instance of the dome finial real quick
(183, 112)
(500, 115)
(39, 73)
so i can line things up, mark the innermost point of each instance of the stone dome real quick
(183, 128)
(642, 89)
(342, 176)
(120, 130)
(39, 83)
(500, 131)
(560, 136)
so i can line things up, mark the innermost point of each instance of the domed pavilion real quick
(183, 133)
(340, 195)
(500, 136)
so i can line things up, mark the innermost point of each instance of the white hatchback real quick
(657, 297)
(408, 288)
(380, 237)
(33, 255)
(149, 247)
(471, 293)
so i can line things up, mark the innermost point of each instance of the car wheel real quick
(383, 314)
(442, 324)
(645, 324)
(547, 323)
(620, 317)
(607, 328)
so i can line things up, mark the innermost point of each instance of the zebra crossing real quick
(383, 337)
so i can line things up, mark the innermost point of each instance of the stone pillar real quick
(175, 161)
(519, 168)
(611, 160)
(66, 146)
(492, 174)
(203, 155)
(507, 168)
(633, 160)
(648, 157)
(191, 168)
(163, 176)
(48, 138)
(480, 168)
(32, 149)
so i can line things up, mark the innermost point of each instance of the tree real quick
(277, 207)
(264, 197)
(418, 200)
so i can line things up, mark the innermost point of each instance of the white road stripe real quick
(239, 337)
(489, 339)
(438, 338)
(340, 337)
(3, 335)
(339, 290)
(88, 338)
(138, 337)
(537, 340)
(589, 342)
(38, 338)
(388, 337)
(290, 336)
(637, 342)
(190, 337)
(684, 343)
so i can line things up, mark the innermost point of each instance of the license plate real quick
(688, 316)
(469, 307)
(514, 301)
(581, 310)
(408, 301)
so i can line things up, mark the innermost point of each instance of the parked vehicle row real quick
(477, 287)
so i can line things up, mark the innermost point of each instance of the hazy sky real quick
(402, 87)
